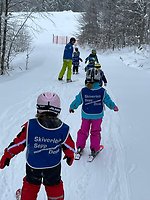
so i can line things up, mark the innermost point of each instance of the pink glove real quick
(116, 109)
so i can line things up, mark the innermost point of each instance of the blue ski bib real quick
(44, 145)
(92, 100)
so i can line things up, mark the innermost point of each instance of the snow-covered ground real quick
(121, 171)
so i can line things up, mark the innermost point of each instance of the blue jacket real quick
(76, 58)
(93, 95)
(68, 51)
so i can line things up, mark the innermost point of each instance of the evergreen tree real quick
(90, 26)
(118, 23)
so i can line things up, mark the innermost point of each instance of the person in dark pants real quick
(103, 80)
(45, 137)
(76, 60)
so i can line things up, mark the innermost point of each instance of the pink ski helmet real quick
(48, 102)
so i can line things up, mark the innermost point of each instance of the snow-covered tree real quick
(12, 30)
(90, 25)
(120, 23)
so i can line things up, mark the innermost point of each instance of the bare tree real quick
(10, 31)
(1, 11)
(4, 38)
(22, 37)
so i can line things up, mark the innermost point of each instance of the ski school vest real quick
(92, 100)
(44, 145)
(75, 58)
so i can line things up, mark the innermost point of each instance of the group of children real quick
(71, 57)
(92, 61)
(92, 97)
(46, 136)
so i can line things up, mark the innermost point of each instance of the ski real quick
(65, 82)
(18, 194)
(78, 154)
(92, 156)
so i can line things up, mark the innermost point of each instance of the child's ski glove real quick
(5, 160)
(69, 160)
(71, 110)
(116, 109)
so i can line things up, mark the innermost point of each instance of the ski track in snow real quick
(116, 178)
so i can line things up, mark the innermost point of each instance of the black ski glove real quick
(71, 110)
(69, 160)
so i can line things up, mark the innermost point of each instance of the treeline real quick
(110, 24)
(49, 5)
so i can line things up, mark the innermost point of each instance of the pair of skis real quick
(91, 156)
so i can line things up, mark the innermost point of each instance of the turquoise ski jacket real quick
(105, 100)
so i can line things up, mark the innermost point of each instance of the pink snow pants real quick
(92, 126)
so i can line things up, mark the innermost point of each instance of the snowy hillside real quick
(121, 171)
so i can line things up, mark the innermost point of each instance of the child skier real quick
(92, 55)
(75, 61)
(45, 137)
(92, 97)
(103, 79)
(92, 64)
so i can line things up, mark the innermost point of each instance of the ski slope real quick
(121, 170)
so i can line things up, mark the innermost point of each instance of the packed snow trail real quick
(106, 171)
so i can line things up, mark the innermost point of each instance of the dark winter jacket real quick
(93, 56)
(103, 78)
(89, 66)
(76, 58)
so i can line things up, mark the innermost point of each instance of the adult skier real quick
(67, 60)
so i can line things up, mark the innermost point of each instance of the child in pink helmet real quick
(45, 137)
